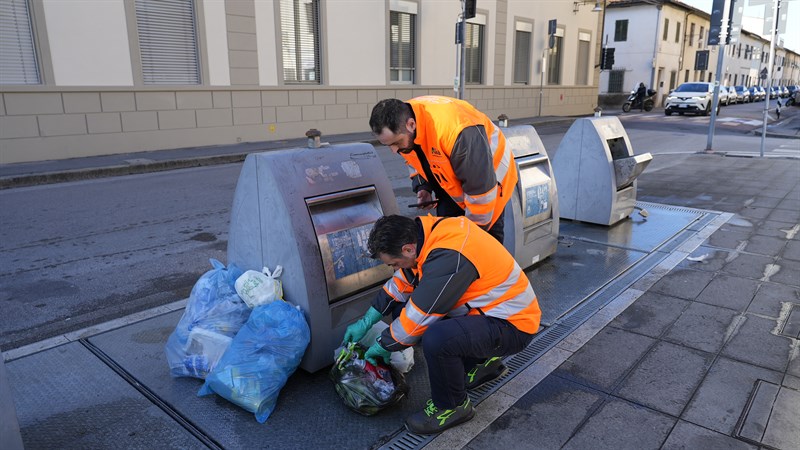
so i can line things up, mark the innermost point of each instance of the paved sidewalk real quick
(705, 357)
(700, 353)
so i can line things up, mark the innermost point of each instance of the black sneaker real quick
(485, 372)
(431, 420)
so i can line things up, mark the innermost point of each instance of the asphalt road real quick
(77, 254)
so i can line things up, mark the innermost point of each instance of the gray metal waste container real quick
(531, 217)
(311, 211)
(596, 171)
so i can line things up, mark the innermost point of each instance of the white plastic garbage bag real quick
(259, 288)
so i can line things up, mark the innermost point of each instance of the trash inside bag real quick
(365, 388)
(213, 315)
(259, 288)
(402, 361)
(259, 361)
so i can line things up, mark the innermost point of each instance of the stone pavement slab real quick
(651, 315)
(729, 292)
(666, 378)
(702, 327)
(721, 398)
(755, 343)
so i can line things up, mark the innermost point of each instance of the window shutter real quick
(300, 41)
(17, 53)
(522, 62)
(401, 39)
(473, 41)
(167, 41)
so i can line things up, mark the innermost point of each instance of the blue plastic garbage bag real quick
(213, 316)
(263, 355)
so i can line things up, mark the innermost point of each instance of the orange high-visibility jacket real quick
(440, 120)
(501, 289)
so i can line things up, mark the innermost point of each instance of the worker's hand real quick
(356, 331)
(377, 353)
(425, 196)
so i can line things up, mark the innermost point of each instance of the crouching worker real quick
(460, 292)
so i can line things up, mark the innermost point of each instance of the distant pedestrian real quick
(778, 109)
(641, 94)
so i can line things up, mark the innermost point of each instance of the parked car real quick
(733, 96)
(724, 96)
(743, 93)
(773, 92)
(784, 91)
(693, 98)
(757, 93)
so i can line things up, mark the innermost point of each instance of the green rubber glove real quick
(377, 352)
(358, 330)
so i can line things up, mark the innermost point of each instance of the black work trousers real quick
(454, 345)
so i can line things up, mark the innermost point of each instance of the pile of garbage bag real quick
(236, 336)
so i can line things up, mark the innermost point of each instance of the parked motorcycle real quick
(633, 102)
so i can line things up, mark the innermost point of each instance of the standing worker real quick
(453, 151)
(461, 293)
(641, 94)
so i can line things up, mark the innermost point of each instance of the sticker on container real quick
(537, 199)
(349, 251)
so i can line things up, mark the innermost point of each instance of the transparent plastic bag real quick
(363, 387)
(262, 356)
(213, 315)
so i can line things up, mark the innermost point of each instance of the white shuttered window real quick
(473, 57)
(402, 30)
(300, 41)
(17, 53)
(168, 41)
(522, 53)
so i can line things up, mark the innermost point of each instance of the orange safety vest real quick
(440, 120)
(502, 289)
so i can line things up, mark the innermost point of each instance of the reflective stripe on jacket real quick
(440, 121)
(501, 289)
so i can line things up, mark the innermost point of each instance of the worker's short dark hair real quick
(390, 234)
(390, 113)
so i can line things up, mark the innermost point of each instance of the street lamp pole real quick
(770, 62)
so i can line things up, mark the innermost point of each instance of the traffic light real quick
(607, 59)
(469, 9)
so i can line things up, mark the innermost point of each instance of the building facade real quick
(664, 43)
(93, 77)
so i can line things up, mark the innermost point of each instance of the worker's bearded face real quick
(402, 142)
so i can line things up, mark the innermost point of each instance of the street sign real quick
(551, 27)
(763, 74)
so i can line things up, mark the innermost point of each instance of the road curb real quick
(119, 170)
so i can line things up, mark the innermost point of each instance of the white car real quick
(693, 98)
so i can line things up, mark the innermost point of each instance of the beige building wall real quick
(242, 97)
(79, 58)
(216, 33)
